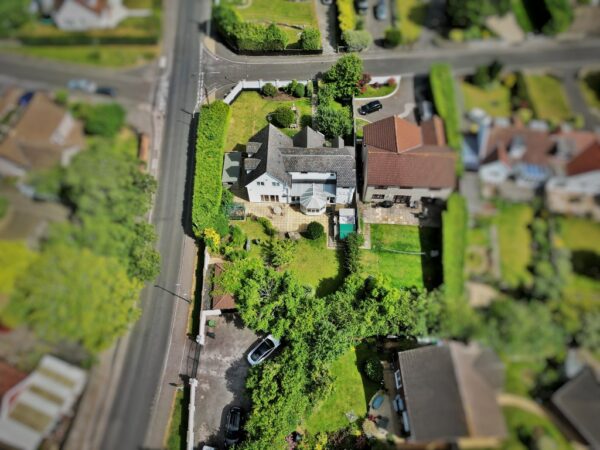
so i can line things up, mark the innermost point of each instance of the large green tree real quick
(333, 122)
(467, 13)
(104, 119)
(13, 15)
(70, 294)
(345, 75)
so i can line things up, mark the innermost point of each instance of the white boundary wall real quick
(257, 85)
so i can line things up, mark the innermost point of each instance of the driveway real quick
(401, 103)
(221, 378)
(327, 26)
(377, 27)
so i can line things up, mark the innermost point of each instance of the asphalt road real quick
(130, 414)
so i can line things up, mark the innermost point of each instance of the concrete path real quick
(327, 27)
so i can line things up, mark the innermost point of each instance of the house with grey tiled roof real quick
(447, 394)
(302, 170)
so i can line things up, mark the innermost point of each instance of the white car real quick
(82, 85)
(263, 349)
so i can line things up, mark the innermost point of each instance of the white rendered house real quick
(301, 170)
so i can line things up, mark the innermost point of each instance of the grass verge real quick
(515, 243)
(548, 98)
(495, 100)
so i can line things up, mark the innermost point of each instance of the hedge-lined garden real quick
(210, 144)
(444, 97)
(454, 238)
(249, 36)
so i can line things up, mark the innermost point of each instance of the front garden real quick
(547, 97)
(590, 87)
(494, 100)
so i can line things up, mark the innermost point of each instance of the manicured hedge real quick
(442, 86)
(561, 16)
(454, 243)
(212, 128)
(346, 15)
(310, 39)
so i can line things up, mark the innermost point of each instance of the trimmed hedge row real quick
(454, 244)
(210, 145)
(254, 37)
(444, 97)
(561, 16)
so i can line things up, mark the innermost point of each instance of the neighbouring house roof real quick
(538, 145)
(95, 6)
(587, 160)
(587, 183)
(579, 402)
(450, 392)
(278, 155)
(41, 134)
(401, 153)
(224, 300)
(9, 377)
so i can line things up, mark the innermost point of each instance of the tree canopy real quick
(70, 294)
(333, 122)
(345, 74)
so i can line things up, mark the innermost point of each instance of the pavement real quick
(221, 378)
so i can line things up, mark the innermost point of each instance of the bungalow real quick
(446, 394)
(36, 133)
(301, 170)
(405, 163)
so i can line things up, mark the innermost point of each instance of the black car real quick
(233, 427)
(386, 204)
(105, 90)
(370, 107)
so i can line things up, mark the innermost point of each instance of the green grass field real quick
(359, 125)
(590, 87)
(177, 429)
(351, 392)
(523, 425)
(515, 243)
(411, 15)
(100, 55)
(495, 100)
(548, 98)
(249, 115)
(404, 270)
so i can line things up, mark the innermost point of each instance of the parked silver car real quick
(263, 349)
(82, 84)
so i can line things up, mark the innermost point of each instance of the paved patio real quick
(399, 214)
(284, 217)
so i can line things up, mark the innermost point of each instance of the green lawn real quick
(478, 243)
(523, 426)
(411, 15)
(313, 264)
(515, 243)
(380, 91)
(177, 428)
(495, 100)
(590, 87)
(249, 114)
(404, 270)
(548, 98)
(300, 13)
(351, 392)
(101, 55)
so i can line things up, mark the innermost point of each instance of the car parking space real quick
(377, 26)
(221, 378)
(401, 103)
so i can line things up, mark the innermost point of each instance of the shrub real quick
(268, 227)
(309, 89)
(525, 114)
(61, 97)
(275, 38)
(268, 90)
(456, 35)
(393, 37)
(333, 122)
(299, 91)
(454, 244)
(442, 86)
(391, 81)
(104, 119)
(4, 207)
(578, 121)
(344, 75)
(210, 141)
(310, 39)
(352, 244)
(326, 94)
(561, 16)
(346, 15)
(238, 237)
(357, 40)
(280, 252)
(373, 369)
(283, 116)
(315, 230)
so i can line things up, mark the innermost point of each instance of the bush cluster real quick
(212, 128)
(296, 89)
(442, 86)
(269, 90)
(346, 15)
(249, 36)
(357, 40)
(373, 369)
(454, 244)
(104, 119)
(561, 16)
(315, 231)
(268, 227)
(393, 37)
(283, 116)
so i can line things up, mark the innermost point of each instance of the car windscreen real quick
(263, 348)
